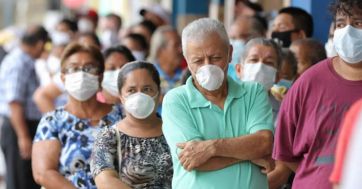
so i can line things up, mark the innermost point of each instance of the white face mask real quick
(60, 38)
(81, 85)
(210, 77)
(330, 50)
(109, 38)
(348, 44)
(53, 64)
(85, 25)
(138, 55)
(109, 82)
(261, 73)
(140, 105)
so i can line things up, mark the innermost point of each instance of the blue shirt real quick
(187, 115)
(18, 82)
(167, 82)
(76, 137)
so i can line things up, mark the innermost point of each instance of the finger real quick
(181, 145)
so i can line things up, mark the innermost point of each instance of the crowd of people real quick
(91, 104)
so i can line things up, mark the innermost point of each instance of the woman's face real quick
(115, 61)
(262, 54)
(81, 61)
(139, 80)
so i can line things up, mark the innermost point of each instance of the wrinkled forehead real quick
(211, 43)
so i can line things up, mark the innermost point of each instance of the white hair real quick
(158, 40)
(202, 28)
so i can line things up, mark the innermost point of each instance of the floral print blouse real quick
(77, 137)
(145, 162)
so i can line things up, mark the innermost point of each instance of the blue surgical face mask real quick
(348, 44)
(238, 48)
(285, 83)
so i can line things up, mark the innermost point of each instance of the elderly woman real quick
(134, 153)
(260, 62)
(65, 137)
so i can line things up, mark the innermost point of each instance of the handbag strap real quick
(119, 152)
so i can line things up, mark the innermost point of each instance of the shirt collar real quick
(197, 99)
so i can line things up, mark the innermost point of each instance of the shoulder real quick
(317, 70)
(176, 94)
(106, 135)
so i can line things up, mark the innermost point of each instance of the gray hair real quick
(265, 42)
(200, 29)
(158, 41)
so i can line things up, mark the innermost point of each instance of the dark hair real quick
(262, 22)
(302, 19)
(315, 51)
(34, 34)
(117, 18)
(345, 6)
(140, 39)
(77, 47)
(71, 24)
(254, 6)
(150, 26)
(289, 58)
(135, 65)
(91, 35)
(119, 49)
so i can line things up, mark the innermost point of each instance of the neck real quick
(352, 72)
(166, 66)
(218, 96)
(85, 109)
(147, 123)
(27, 50)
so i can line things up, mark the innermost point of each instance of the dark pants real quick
(18, 170)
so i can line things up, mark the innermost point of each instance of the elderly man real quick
(18, 113)
(214, 126)
(165, 53)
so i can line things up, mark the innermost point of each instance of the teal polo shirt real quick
(187, 115)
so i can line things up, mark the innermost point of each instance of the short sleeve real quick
(261, 114)
(286, 148)
(178, 125)
(104, 153)
(47, 128)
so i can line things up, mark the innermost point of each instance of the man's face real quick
(240, 30)
(172, 49)
(343, 19)
(284, 23)
(210, 50)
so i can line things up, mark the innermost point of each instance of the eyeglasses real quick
(88, 68)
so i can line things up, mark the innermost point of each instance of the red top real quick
(348, 126)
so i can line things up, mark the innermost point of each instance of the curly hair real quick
(345, 6)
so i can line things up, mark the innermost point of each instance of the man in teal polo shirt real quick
(219, 132)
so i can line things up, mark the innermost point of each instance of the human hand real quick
(195, 153)
(267, 164)
(25, 145)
